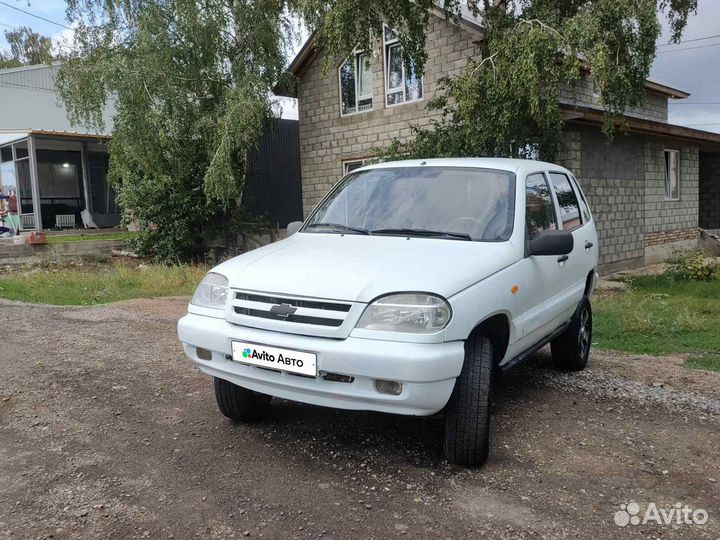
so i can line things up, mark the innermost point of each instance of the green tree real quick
(191, 83)
(506, 103)
(26, 48)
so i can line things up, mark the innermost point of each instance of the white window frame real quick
(386, 73)
(668, 185)
(356, 56)
(361, 161)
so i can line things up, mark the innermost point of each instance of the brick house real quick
(650, 190)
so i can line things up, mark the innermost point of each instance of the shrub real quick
(693, 266)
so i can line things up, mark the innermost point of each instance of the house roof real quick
(309, 52)
(7, 136)
(579, 115)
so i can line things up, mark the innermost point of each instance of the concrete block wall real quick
(662, 214)
(613, 179)
(328, 139)
(624, 182)
(709, 210)
(655, 106)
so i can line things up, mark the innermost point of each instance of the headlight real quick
(412, 313)
(212, 292)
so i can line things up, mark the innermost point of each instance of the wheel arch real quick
(497, 328)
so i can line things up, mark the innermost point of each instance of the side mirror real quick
(294, 227)
(552, 243)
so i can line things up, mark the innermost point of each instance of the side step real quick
(520, 358)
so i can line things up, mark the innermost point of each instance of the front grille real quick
(307, 311)
(311, 304)
(289, 318)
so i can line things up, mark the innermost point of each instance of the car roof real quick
(518, 166)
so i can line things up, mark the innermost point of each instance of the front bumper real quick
(426, 371)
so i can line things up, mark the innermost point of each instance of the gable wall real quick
(327, 139)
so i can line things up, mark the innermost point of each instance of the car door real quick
(576, 268)
(543, 276)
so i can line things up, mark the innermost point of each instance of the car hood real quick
(360, 268)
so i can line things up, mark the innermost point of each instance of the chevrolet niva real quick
(405, 291)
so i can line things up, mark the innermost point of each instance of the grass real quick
(61, 239)
(660, 316)
(710, 363)
(83, 284)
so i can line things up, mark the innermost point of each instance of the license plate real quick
(304, 363)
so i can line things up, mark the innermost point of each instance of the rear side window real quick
(539, 207)
(567, 200)
(584, 207)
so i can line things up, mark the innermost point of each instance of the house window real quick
(355, 77)
(350, 166)
(401, 86)
(672, 174)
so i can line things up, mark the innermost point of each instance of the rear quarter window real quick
(567, 200)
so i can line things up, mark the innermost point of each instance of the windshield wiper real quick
(424, 232)
(339, 227)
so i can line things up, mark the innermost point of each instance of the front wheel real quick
(238, 403)
(467, 414)
(571, 349)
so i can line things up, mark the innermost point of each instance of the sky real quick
(695, 70)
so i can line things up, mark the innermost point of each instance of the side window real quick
(672, 175)
(401, 85)
(539, 207)
(567, 200)
(355, 85)
(584, 207)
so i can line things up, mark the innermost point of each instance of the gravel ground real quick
(106, 431)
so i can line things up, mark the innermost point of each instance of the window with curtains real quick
(355, 77)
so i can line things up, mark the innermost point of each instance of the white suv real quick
(408, 286)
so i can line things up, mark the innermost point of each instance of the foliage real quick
(693, 266)
(86, 284)
(506, 103)
(659, 315)
(190, 82)
(26, 48)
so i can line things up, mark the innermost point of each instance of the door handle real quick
(563, 258)
(588, 244)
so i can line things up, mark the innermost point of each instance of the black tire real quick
(240, 404)
(571, 349)
(467, 414)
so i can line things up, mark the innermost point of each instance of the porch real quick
(55, 176)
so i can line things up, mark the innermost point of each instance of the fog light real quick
(393, 388)
(203, 354)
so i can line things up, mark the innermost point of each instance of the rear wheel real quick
(239, 403)
(467, 417)
(571, 349)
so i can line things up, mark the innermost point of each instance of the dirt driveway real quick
(106, 431)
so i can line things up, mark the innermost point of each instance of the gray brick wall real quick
(613, 180)
(624, 182)
(709, 211)
(668, 215)
(327, 139)
(655, 106)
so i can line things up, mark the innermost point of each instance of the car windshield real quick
(457, 203)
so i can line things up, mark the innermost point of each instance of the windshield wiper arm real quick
(339, 227)
(424, 232)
